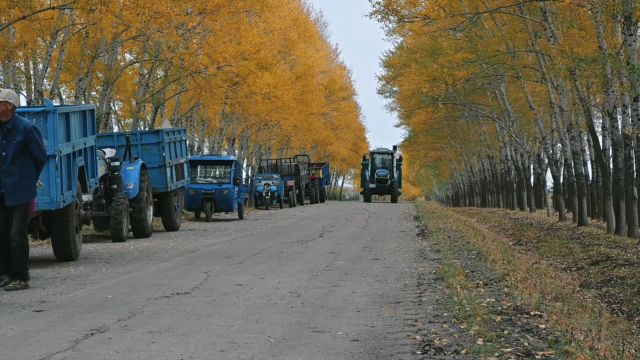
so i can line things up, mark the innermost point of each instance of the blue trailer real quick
(215, 186)
(69, 177)
(294, 172)
(321, 177)
(154, 169)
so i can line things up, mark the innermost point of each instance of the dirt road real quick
(331, 281)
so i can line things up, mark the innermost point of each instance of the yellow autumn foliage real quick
(255, 79)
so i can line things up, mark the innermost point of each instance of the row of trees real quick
(251, 78)
(496, 94)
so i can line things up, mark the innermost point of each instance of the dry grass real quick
(583, 280)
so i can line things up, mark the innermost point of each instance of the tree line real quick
(499, 96)
(255, 79)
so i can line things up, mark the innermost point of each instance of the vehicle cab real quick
(215, 186)
(268, 190)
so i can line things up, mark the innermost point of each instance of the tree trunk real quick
(581, 195)
(601, 153)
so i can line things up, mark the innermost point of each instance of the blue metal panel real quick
(164, 152)
(130, 172)
(225, 197)
(69, 133)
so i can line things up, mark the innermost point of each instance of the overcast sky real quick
(362, 43)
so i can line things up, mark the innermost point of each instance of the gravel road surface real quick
(331, 281)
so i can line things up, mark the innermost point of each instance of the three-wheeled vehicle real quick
(269, 190)
(216, 186)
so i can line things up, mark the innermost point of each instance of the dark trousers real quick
(14, 243)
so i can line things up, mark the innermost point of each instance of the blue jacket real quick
(22, 157)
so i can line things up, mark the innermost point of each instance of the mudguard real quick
(131, 177)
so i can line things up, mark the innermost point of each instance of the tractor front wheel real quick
(367, 195)
(241, 210)
(119, 219)
(394, 193)
(207, 210)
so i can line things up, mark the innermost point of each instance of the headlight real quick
(225, 191)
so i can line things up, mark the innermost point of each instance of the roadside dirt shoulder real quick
(484, 311)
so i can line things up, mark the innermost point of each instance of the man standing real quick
(22, 157)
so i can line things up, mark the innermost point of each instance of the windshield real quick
(383, 161)
(317, 172)
(271, 179)
(210, 173)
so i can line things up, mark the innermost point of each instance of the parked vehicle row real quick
(119, 181)
(297, 180)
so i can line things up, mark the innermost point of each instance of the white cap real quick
(10, 96)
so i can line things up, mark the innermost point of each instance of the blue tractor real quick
(319, 180)
(153, 170)
(381, 174)
(216, 186)
(269, 190)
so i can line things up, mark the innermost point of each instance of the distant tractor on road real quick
(381, 174)
(320, 176)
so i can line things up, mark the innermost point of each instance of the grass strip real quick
(597, 333)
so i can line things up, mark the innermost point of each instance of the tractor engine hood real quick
(382, 176)
(382, 173)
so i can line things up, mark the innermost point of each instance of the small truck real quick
(381, 174)
(215, 186)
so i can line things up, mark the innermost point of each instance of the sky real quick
(362, 43)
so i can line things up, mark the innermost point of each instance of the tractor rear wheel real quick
(66, 230)
(142, 209)
(171, 205)
(280, 202)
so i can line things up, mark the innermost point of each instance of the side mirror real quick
(236, 181)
